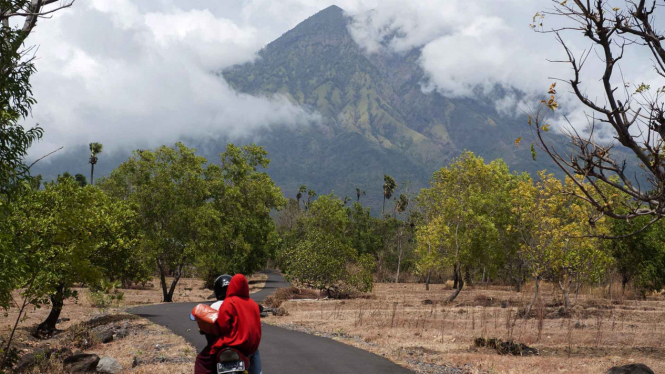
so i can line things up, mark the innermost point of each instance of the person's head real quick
(221, 285)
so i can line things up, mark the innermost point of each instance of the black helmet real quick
(221, 284)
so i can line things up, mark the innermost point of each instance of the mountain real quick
(376, 118)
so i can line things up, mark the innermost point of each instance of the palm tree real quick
(310, 195)
(401, 204)
(95, 149)
(301, 191)
(389, 187)
(358, 193)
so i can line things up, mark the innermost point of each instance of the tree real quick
(389, 186)
(553, 230)
(95, 149)
(243, 198)
(81, 180)
(70, 234)
(310, 195)
(215, 216)
(358, 193)
(459, 209)
(635, 114)
(300, 193)
(322, 256)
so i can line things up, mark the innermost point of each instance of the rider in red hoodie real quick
(240, 326)
(239, 319)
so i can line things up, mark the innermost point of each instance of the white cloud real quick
(109, 73)
(120, 71)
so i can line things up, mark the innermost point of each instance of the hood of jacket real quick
(238, 287)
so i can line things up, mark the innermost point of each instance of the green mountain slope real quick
(376, 118)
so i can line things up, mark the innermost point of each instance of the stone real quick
(630, 369)
(81, 363)
(109, 365)
(104, 336)
(122, 333)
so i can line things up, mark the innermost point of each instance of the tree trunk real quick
(460, 284)
(162, 276)
(57, 301)
(533, 301)
(565, 291)
(399, 258)
(92, 173)
(429, 276)
(455, 276)
(178, 274)
(624, 282)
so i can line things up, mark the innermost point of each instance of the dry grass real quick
(173, 355)
(418, 329)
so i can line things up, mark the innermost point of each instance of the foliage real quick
(553, 230)
(461, 208)
(66, 234)
(215, 216)
(321, 256)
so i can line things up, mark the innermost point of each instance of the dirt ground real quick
(419, 330)
(149, 348)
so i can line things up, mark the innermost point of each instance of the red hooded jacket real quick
(239, 320)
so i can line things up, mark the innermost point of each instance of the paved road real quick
(282, 351)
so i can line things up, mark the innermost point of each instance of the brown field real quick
(417, 329)
(155, 347)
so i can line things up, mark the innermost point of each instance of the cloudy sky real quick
(122, 71)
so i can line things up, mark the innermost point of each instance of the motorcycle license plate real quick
(230, 367)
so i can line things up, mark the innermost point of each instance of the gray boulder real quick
(81, 363)
(630, 369)
(109, 365)
(104, 336)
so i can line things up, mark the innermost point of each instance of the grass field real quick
(418, 329)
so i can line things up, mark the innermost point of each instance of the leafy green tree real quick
(640, 258)
(215, 216)
(553, 229)
(168, 190)
(243, 198)
(68, 234)
(459, 207)
(389, 186)
(322, 256)
(81, 180)
(95, 149)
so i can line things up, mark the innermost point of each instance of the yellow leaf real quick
(546, 128)
(564, 2)
(529, 120)
(615, 9)
(518, 140)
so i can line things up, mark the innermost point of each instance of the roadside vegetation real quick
(484, 265)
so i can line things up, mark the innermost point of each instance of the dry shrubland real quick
(418, 329)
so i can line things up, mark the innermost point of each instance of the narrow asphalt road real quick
(282, 351)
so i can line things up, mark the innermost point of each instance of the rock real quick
(122, 333)
(104, 336)
(630, 369)
(61, 320)
(136, 362)
(428, 302)
(109, 365)
(81, 363)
